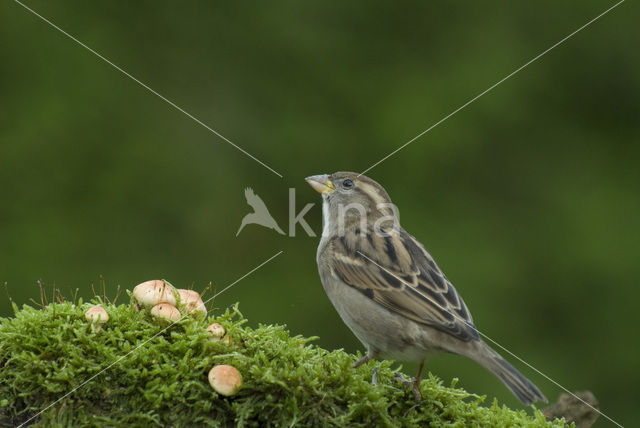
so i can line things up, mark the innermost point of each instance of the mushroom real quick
(98, 315)
(166, 311)
(225, 380)
(216, 331)
(192, 301)
(150, 293)
(227, 340)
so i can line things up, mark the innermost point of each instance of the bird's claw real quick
(362, 361)
(416, 393)
(403, 380)
(414, 383)
(374, 377)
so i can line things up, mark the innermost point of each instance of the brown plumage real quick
(404, 279)
(388, 289)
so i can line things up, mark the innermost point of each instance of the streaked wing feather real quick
(420, 291)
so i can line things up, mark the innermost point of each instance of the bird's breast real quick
(391, 335)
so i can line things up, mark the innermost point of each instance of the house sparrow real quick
(388, 289)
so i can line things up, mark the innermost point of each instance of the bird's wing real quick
(254, 201)
(398, 273)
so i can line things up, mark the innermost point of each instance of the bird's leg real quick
(370, 356)
(414, 383)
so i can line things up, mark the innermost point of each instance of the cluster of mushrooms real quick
(161, 297)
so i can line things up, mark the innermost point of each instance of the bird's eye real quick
(347, 184)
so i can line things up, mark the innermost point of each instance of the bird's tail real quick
(521, 387)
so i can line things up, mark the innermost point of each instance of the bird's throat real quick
(326, 217)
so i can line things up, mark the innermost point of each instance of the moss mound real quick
(157, 377)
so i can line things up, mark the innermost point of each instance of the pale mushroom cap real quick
(192, 301)
(150, 293)
(187, 295)
(97, 314)
(216, 330)
(225, 380)
(166, 311)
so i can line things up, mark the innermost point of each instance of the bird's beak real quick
(321, 183)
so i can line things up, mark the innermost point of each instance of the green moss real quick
(46, 353)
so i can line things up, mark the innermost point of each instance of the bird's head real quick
(353, 199)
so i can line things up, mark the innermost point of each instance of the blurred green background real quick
(528, 198)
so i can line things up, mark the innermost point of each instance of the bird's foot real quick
(361, 361)
(370, 356)
(416, 392)
(364, 360)
(413, 383)
(403, 380)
